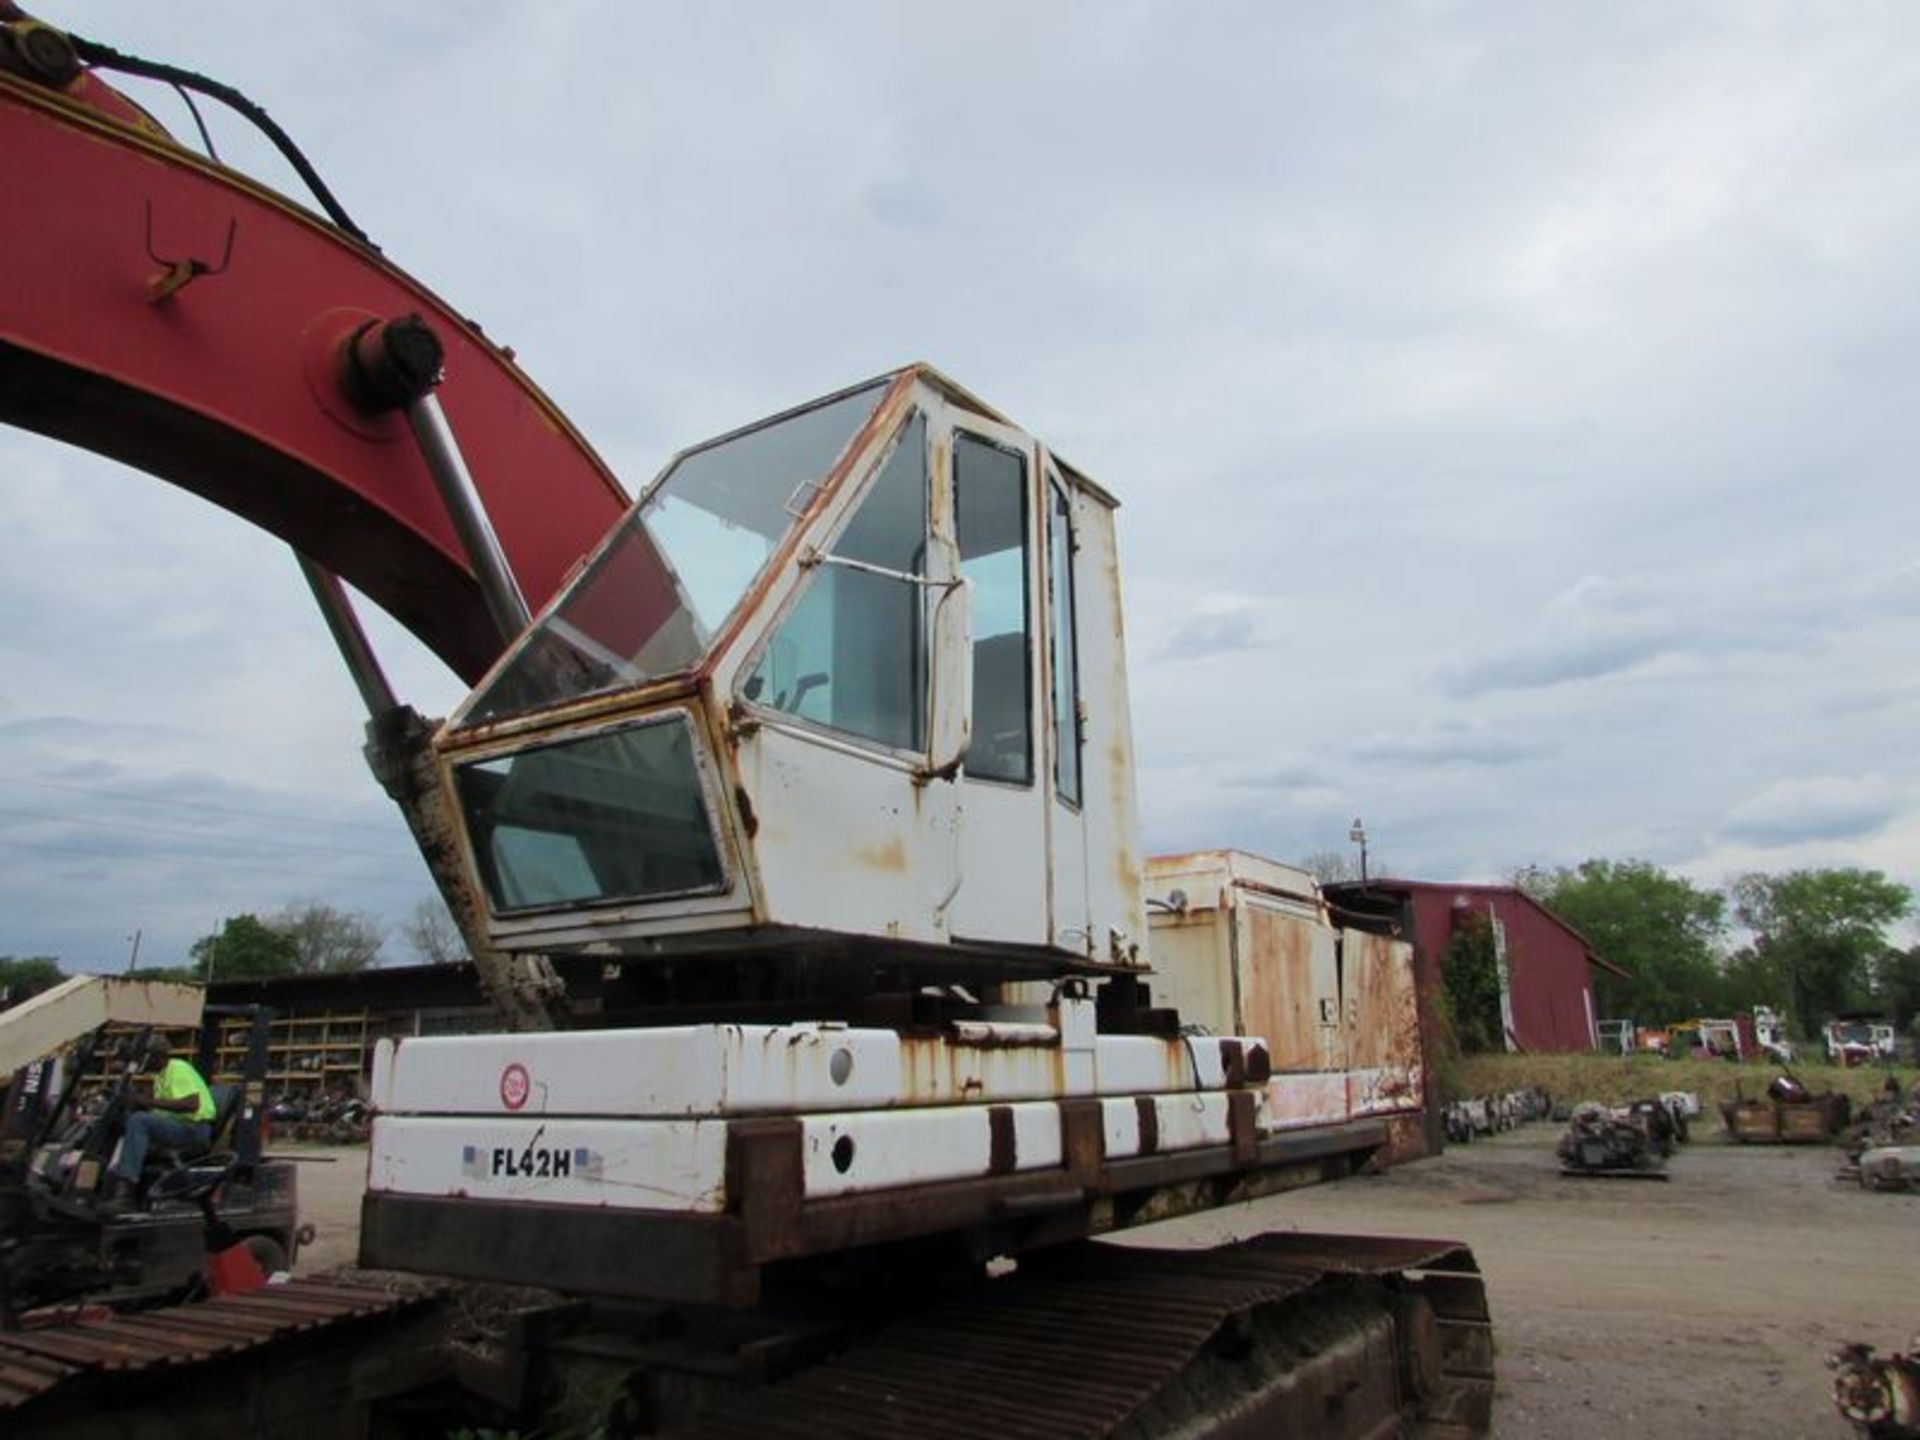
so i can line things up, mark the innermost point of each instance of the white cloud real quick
(1831, 807)
(1490, 392)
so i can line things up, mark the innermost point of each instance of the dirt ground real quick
(332, 1180)
(1702, 1305)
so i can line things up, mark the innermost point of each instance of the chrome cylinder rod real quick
(504, 602)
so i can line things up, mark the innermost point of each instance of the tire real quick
(268, 1253)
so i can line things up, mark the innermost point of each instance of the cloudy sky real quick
(1510, 404)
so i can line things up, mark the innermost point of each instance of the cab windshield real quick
(664, 582)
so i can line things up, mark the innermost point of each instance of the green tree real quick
(179, 974)
(1470, 976)
(245, 948)
(1896, 989)
(1821, 934)
(1753, 978)
(1660, 928)
(26, 976)
(329, 940)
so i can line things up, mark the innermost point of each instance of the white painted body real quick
(638, 1118)
(719, 1070)
(680, 1166)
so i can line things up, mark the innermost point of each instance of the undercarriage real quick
(1307, 1335)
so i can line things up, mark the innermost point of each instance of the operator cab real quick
(847, 679)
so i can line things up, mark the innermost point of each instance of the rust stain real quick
(1384, 1019)
(890, 857)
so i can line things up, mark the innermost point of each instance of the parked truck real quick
(822, 748)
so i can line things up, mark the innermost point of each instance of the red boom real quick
(228, 385)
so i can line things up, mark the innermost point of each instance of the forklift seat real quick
(226, 1105)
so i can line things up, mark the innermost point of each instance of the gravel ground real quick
(1703, 1305)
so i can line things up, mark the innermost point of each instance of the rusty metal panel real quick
(1289, 981)
(1310, 1097)
(1382, 1022)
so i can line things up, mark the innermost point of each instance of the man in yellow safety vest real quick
(178, 1114)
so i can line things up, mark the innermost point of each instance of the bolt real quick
(391, 364)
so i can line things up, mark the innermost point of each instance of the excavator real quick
(821, 748)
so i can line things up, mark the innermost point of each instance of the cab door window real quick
(990, 501)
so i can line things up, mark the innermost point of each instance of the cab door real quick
(1003, 787)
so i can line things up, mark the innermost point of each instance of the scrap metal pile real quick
(1883, 1148)
(1878, 1394)
(1633, 1140)
(329, 1120)
(1494, 1114)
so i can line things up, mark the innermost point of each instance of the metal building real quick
(1546, 965)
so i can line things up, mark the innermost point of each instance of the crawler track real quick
(1289, 1334)
(48, 1374)
(1302, 1335)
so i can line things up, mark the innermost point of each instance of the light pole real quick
(1358, 835)
(133, 960)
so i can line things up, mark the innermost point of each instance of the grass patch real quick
(1615, 1079)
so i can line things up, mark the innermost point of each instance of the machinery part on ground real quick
(1789, 1115)
(1684, 1104)
(1889, 1167)
(1494, 1114)
(1883, 1147)
(1631, 1141)
(1878, 1394)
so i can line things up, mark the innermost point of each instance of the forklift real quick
(61, 1250)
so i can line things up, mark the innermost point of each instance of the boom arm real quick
(173, 314)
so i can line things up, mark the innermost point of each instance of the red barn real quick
(1547, 1003)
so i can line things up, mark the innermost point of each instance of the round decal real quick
(514, 1086)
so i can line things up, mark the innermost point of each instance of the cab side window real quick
(1063, 652)
(852, 653)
